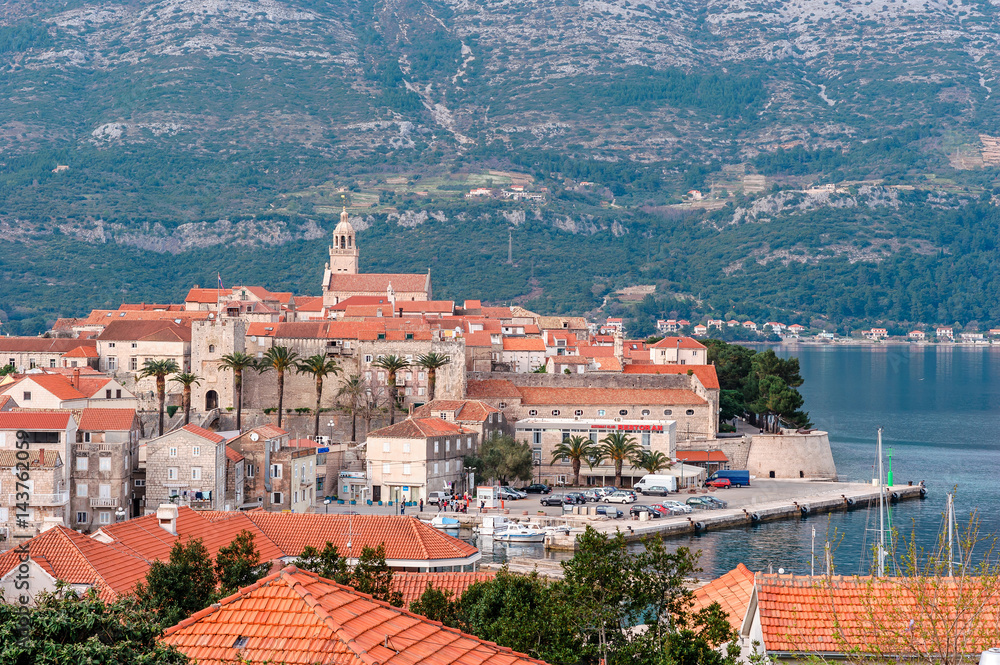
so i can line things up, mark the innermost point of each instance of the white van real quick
(656, 480)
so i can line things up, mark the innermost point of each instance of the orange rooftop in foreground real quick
(296, 617)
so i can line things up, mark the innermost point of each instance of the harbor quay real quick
(763, 501)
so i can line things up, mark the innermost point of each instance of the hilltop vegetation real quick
(202, 137)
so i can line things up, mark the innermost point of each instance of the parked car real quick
(677, 508)
(662, 510)
(552, 500)
(702, 503)
(717, 501)
(720, 483)
(608, 511)
(592, 495)
(516, 493)
(538, 488)
(635, 511)
(508, 495)
(575, 498)
(738, 477)
(620, 497)
(656, 490)
(434, 498)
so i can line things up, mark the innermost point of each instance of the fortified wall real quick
(791, 455)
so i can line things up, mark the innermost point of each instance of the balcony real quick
(104, 502)
(39, 500)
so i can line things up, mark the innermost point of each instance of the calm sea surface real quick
(939, 408)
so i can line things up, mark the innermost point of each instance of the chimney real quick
(75, 381)
(166, 516)
(41, 456)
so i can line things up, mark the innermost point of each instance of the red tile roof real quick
(523, 344)
(610, 396)
(678, 342)
(308, 303)
(107, 420)
(497, 312)
(104, 317)
(466, 410)
(419, 428)
(203, 433)
(233, 455)
(705, 373)
(150, 331)
(608, 364)
(413, 585)
(702, 456)
(50, 460)
(76, 559)
(35, 420)
(732, 591)
(209, 296)
(298, 618)
(82, 352)
(478, 339)
(570, 360)
(91, 385)
(492, 389)
(59, 386)
(43, 344)
(377, 283)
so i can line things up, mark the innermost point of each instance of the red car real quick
(719, 483)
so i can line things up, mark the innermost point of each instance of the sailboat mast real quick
(951, 518)
(881, 510)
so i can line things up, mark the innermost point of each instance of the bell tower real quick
(344, 250)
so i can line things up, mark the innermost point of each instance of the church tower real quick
(344, 251)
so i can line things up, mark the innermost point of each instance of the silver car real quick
(619, 497)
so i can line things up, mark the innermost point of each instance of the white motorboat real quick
(519, 533)
(493, 524)
(442, 522)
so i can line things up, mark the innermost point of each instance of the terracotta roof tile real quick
(466, 410)
(35, 420)
(150, 331)
(107, 420)
(523, 344)
(295, 617)
(43, 344)
(59, 386)
(420, 428)
(610, 396)
(492, 389)
(702, 456)
(233, 455)
(705, 373)
(82, 352)
(308, 303)
(413, 585)
(478, 339)
(732, 591)
(203, 433)
(678, 342)
(91, 385)
(377, 283)
(608, 364)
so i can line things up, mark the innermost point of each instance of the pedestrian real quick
(421, 505)
(402, 508)
(482, 505)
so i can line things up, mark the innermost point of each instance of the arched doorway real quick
(211, 400)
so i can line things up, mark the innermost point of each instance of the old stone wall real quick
(792, 456)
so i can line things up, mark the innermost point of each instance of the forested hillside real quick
(147, 146)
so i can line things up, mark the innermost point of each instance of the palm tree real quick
(187, 379)
(432, 362)
(238, 362)
(351, 397)
(320, 367)
(618, 447)
(159, 369)
(392, 364)
(576, 449)
(651, 461)
(280, 359)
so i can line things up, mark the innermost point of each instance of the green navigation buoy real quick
(888, 475)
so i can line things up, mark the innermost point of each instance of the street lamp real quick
(538, 463)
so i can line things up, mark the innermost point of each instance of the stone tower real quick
(344, 250)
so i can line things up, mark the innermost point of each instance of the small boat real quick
(493, 524)
(441, 522)
(518, 533)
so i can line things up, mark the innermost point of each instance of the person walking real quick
(402, 508)
(421, 505)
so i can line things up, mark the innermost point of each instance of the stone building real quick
(417, 456)
(125, 346)
(303, 485)
(235, 478)
(47, 493)
(24, 353)
(74, 389)
(678, 351)
(480, 417)
(107, 442)
(186, 467)
(267, 466)
(341, 278)
(46, 430)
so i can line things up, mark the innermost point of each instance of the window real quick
(645, 439)
(133, 363)
(420, 391)
(319, 483)
(437, 446)
(406, 447)
(250, 470)
(533, 412)
(420, 376)
(135, 345)
(502, 405)
(276, 471)
(409, 376)
(645, 412)
(195, 451)
(112, 363)
(368, 359)
(211, 348)
(600, 412)
(593, 436)
(436, 467)
(172, 452)
(689, 412)
(111, 345)
(195, 473)
(381, 376)
(385, 468)
(385, 446)
(172, 473)
(104, 491)
(578, 412)
(140, 482)
(406, 469)
(447, 445)
(52, 362)
(118, 394)
(82, 463)
(107, 394)
(27, 396)
(555, 412)
(276, 497)
(623, 412)
(81, 518)
(469, 443)
(31, 363)
(536, 454)
(409, 391)
(536, 436)
(104, 463)
(668, 412)
(81, 489)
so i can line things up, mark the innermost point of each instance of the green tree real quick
(66, 628)
(618, 447)
(238, 564)
(280, 359)
(187, 379)
(651, 461)
(576, 449)
(326, 563)
(350, 399)
(160, 369)
(392, 364)
(437, 605)
(320, 367)
(432, 362)
(238, 362)
(504, 459)
(371, 575)
(181, 586)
